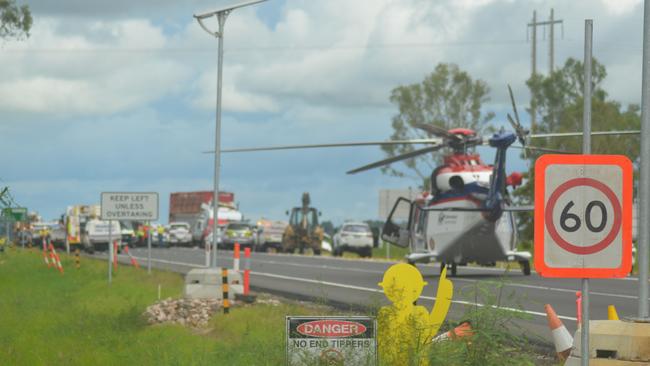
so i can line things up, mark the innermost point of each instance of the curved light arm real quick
(205, 28)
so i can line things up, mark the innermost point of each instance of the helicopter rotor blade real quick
(397, 158)
(543, 149)
(514, 107)
(579, 134)
(436, 131)
(318, 146)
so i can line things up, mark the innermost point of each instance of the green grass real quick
(78, 319)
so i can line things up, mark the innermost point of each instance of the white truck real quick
(195, 208)
(95, 235)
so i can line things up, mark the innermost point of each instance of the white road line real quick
(507, 284)
(352, 287)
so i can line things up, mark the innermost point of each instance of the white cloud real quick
(619, 7)
(100, 70)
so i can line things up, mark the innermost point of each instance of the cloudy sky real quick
(120, 95)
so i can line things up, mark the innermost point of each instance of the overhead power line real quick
(272, 48)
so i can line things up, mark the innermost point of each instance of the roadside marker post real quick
(224, 288)
(77, 259)
(235, 260)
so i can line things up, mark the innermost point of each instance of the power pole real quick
(533, 54)
(551, 50)
(534, 24)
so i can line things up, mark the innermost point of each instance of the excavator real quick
(303, 231)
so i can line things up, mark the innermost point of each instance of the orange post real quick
(235, 261)
(247, 270)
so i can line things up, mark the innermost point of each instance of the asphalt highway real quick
(353, 282)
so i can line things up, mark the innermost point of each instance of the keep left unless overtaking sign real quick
(583, 216)
(138, 206)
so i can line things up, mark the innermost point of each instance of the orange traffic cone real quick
(461, 331)
(561, 336)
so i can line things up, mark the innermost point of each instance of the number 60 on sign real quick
(583, 216)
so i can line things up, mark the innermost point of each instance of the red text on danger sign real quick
(583, 216)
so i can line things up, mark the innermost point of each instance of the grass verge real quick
(78, 319)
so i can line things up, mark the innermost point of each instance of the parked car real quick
(269, 234)
(179, 233)
(238, 232)
(353, 237)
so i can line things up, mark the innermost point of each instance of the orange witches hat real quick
(561, 336)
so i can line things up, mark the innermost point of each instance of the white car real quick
(353, 237)
(179, 233)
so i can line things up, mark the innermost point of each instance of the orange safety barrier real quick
(134, 262)
(45, 254)
(56, 260)
(247, 270)
(462, 331)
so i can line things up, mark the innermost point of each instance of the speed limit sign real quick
(583, 216)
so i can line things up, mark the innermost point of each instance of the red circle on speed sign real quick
(550, 226)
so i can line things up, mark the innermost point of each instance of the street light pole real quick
(221, 15)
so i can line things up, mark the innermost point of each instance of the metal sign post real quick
(586, 150)
(644, 175)
(149, 248)
(110, 251)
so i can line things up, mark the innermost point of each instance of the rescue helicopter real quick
(467, 215)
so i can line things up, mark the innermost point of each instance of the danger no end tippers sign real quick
(329, 340)
(583, 216)
(140, 206)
